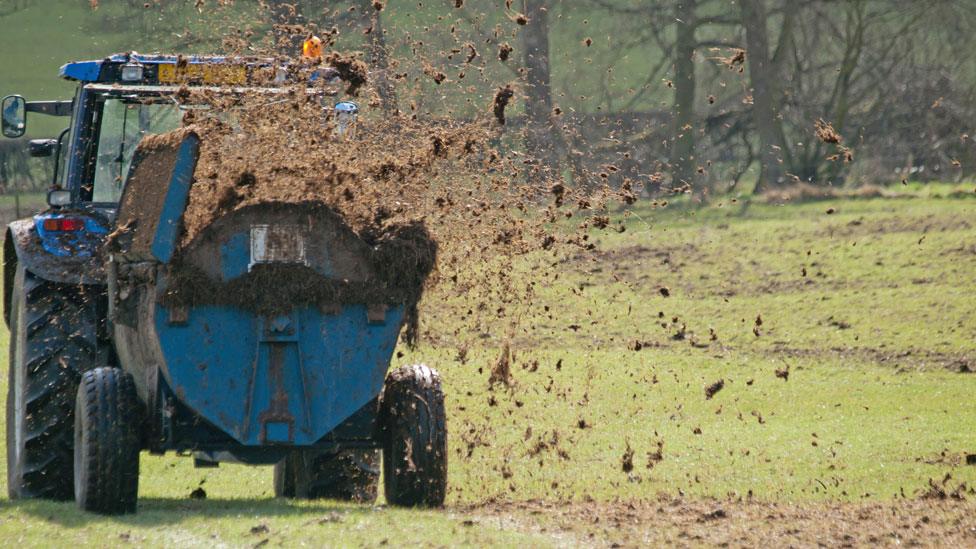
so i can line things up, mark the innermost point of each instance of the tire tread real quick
(60, 342)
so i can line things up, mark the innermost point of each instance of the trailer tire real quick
(106, 453)
(53, 338)
(414, 425)
(349, 475)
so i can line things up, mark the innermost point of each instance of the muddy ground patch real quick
(675, 521)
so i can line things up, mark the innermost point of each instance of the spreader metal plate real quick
(277, 244)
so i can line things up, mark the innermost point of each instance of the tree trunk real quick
(538, 90)
(683, 121)
(379, 60)
(765, 111)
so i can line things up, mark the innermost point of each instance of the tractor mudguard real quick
(22, 245)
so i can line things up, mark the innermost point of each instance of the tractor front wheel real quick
(106, 463)
(414, 438)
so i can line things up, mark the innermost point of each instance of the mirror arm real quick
(51, 108)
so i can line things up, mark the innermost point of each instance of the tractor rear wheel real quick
(414, 437)
(350, 475)
(106, 453)
(53, 338)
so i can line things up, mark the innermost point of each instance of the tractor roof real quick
(156, 69)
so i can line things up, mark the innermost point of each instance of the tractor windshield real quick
(122, 124)
(121, 117)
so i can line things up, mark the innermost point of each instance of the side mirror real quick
(14, 116)
(58, 198)
(346, 113)
(42, 148)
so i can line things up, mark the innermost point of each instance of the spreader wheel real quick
(414, 437)
(349, 475)
(106, 464)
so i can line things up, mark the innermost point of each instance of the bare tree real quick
(765, 72)
(539, 133)
(685, 88)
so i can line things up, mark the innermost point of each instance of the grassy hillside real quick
(868, 309)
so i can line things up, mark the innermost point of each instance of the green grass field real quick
(870, 309)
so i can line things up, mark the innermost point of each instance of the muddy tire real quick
(414, 437)
(350, 475)
(106, 453)
(53, 339)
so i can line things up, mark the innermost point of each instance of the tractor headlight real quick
(132, 72)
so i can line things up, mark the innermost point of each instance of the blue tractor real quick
(104, 365)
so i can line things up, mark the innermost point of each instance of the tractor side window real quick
(122, 124)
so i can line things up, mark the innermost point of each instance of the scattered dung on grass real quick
(714, 388)
(627, 460)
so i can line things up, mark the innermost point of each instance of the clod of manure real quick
(521, 19)
(665, 291)
(826, 132)
(436, 75)
(354, 71)
(558, 191)
(714, 515)
(737, 58)
(714, 388)
(501, 371)
(504, 50)
(848, 154)
(656, 456)
(627, 460)
(502, 97)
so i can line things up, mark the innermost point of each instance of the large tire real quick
(53, 339)
(414, 436)
(106, 453)
(349, 475)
